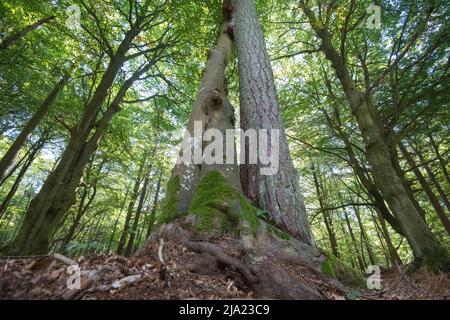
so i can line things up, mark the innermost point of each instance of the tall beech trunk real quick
(8, 158)
(360, 172)
(83, 205)
(8, 41)
(278, 194)
(426, 249)
(426, 187)
(213, 110)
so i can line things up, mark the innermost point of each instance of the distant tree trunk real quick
(8, 158)
(425, 186)
(395, 258)
(134, 195)
(31, 157)
(152, 216)
(134, 229)
(8, 41)
(407, 186)
(442, 162)
(116, 223)
(433, 179)
(380, 239)
(361, 262)
(326, 216)
(426, 249)
(279, 193)
(365, 237)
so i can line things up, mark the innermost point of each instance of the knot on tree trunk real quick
(215, 100)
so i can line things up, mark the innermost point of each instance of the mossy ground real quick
(338, 269)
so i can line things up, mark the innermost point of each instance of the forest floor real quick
(144, 276)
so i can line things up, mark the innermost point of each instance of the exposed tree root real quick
(269, 266)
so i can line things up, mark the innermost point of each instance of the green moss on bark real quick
(277, 232)
(170, 207)
(220, 206)
(334, 267)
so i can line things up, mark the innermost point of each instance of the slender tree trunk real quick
(395, 258)
(433, 179)
(442, 162)
(407, 186)
(365, 237)
(8, 158)
(279, 192)
(134, 195)
(426, 249)
(425, 186)
(362, 264)
(31, 157)
(326, 216)
(152, 217)
(8, 41)
(134, 229)
(116, 223)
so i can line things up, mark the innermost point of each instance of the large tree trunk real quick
(278, 194)
(10, 155)
(426, 248)
(57, 195)
(211, 110)
(8, 41)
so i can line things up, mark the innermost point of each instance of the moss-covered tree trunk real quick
(279, 193)
(211, 110)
